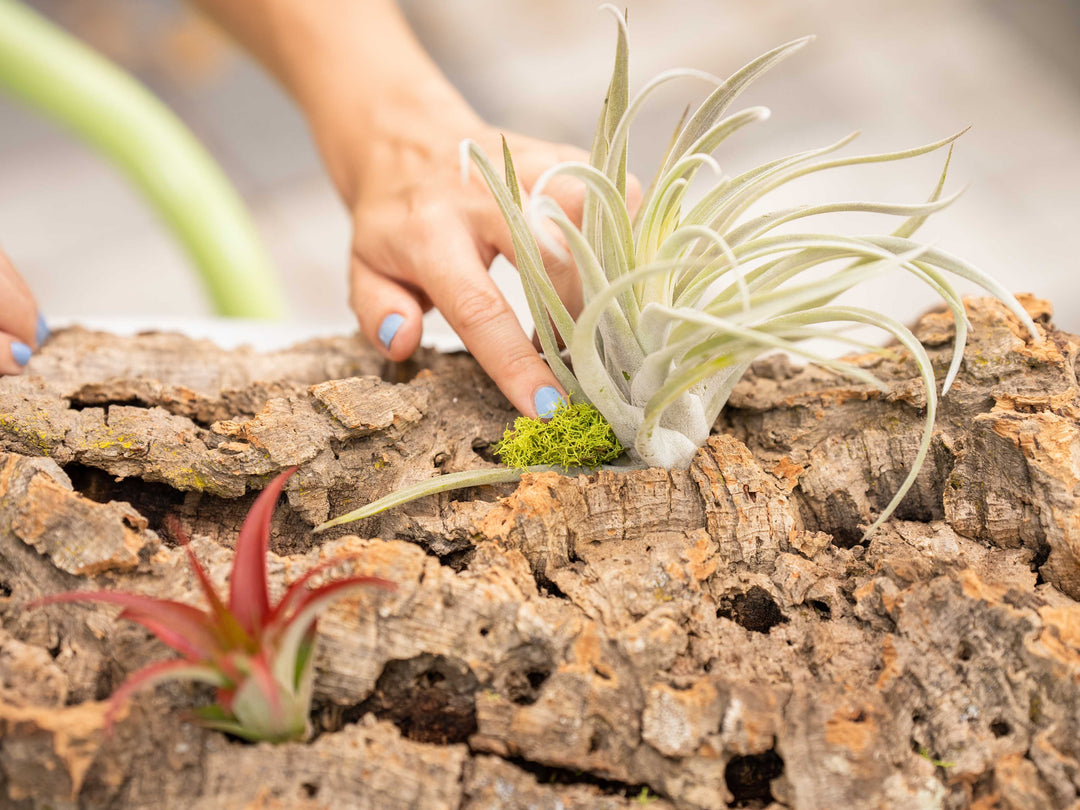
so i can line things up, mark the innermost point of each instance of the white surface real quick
(230, 333)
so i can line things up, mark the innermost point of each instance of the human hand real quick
(388, 124)
(22, 329)
(423, 239)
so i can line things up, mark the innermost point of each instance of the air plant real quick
(681, 298)
(258, 655)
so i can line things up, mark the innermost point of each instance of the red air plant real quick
(258, 655)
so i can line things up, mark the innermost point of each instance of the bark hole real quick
(597, 740)
(430, 698)
(1042, 554)
(521, 676)
(841, 519)
(999, 728)
(88, 397)
(551, 775)
(462, 495)
(546, 585)
(748, 778)
(459, 559)
(154, 501)
(311, 789)
(821, 608)
(482, 448)
(754, 610)
(400, 373)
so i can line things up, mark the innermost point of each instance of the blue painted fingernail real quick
(43, 330)
(546, 400)
(389, 327)
(20, 352)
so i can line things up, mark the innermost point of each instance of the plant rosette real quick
(681, 297)
(259, 656)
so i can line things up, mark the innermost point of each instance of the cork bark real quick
(721, 636)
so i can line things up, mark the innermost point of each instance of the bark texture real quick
(722, 636)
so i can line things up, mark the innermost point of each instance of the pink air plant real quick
(258, 655)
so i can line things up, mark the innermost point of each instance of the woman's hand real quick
(422, 238)
(388, 125)
(22, 329)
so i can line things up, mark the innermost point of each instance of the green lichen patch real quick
(577, 435)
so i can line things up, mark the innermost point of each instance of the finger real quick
(18, 310)
(569, 193)
(14, 354)
(390, 316)
(474, 307)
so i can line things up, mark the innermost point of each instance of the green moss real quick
(577, 435)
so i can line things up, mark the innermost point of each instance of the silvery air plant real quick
(259, 656)
(681, 298)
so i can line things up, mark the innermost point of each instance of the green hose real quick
(67, 81)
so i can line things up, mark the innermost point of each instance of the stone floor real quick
(902, 71)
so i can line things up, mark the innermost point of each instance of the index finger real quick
(473, 305)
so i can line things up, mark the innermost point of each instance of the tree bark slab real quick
(715, 637)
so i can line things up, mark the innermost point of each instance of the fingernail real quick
(43, 330)
(389, 327)
(546, 401)
(20, 352)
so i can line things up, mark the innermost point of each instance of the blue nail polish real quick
(43, 330)
(20, 352)
(389, 327)
(546, 400)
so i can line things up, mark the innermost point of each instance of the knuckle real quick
(519, 361)
(473, 307)
(430, 218)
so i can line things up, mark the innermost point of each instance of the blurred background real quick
(903, 71)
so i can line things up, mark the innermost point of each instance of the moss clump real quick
(577, 435)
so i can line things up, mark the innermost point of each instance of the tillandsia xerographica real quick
(258, 655)
(680, 298)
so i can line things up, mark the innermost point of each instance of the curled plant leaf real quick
(256, 653)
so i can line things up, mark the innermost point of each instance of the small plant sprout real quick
(644, 797)
(681, 297)
(258, 655)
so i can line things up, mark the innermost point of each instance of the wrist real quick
(365, 84)
(363, 126)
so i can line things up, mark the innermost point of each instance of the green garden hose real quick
(53, 72)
